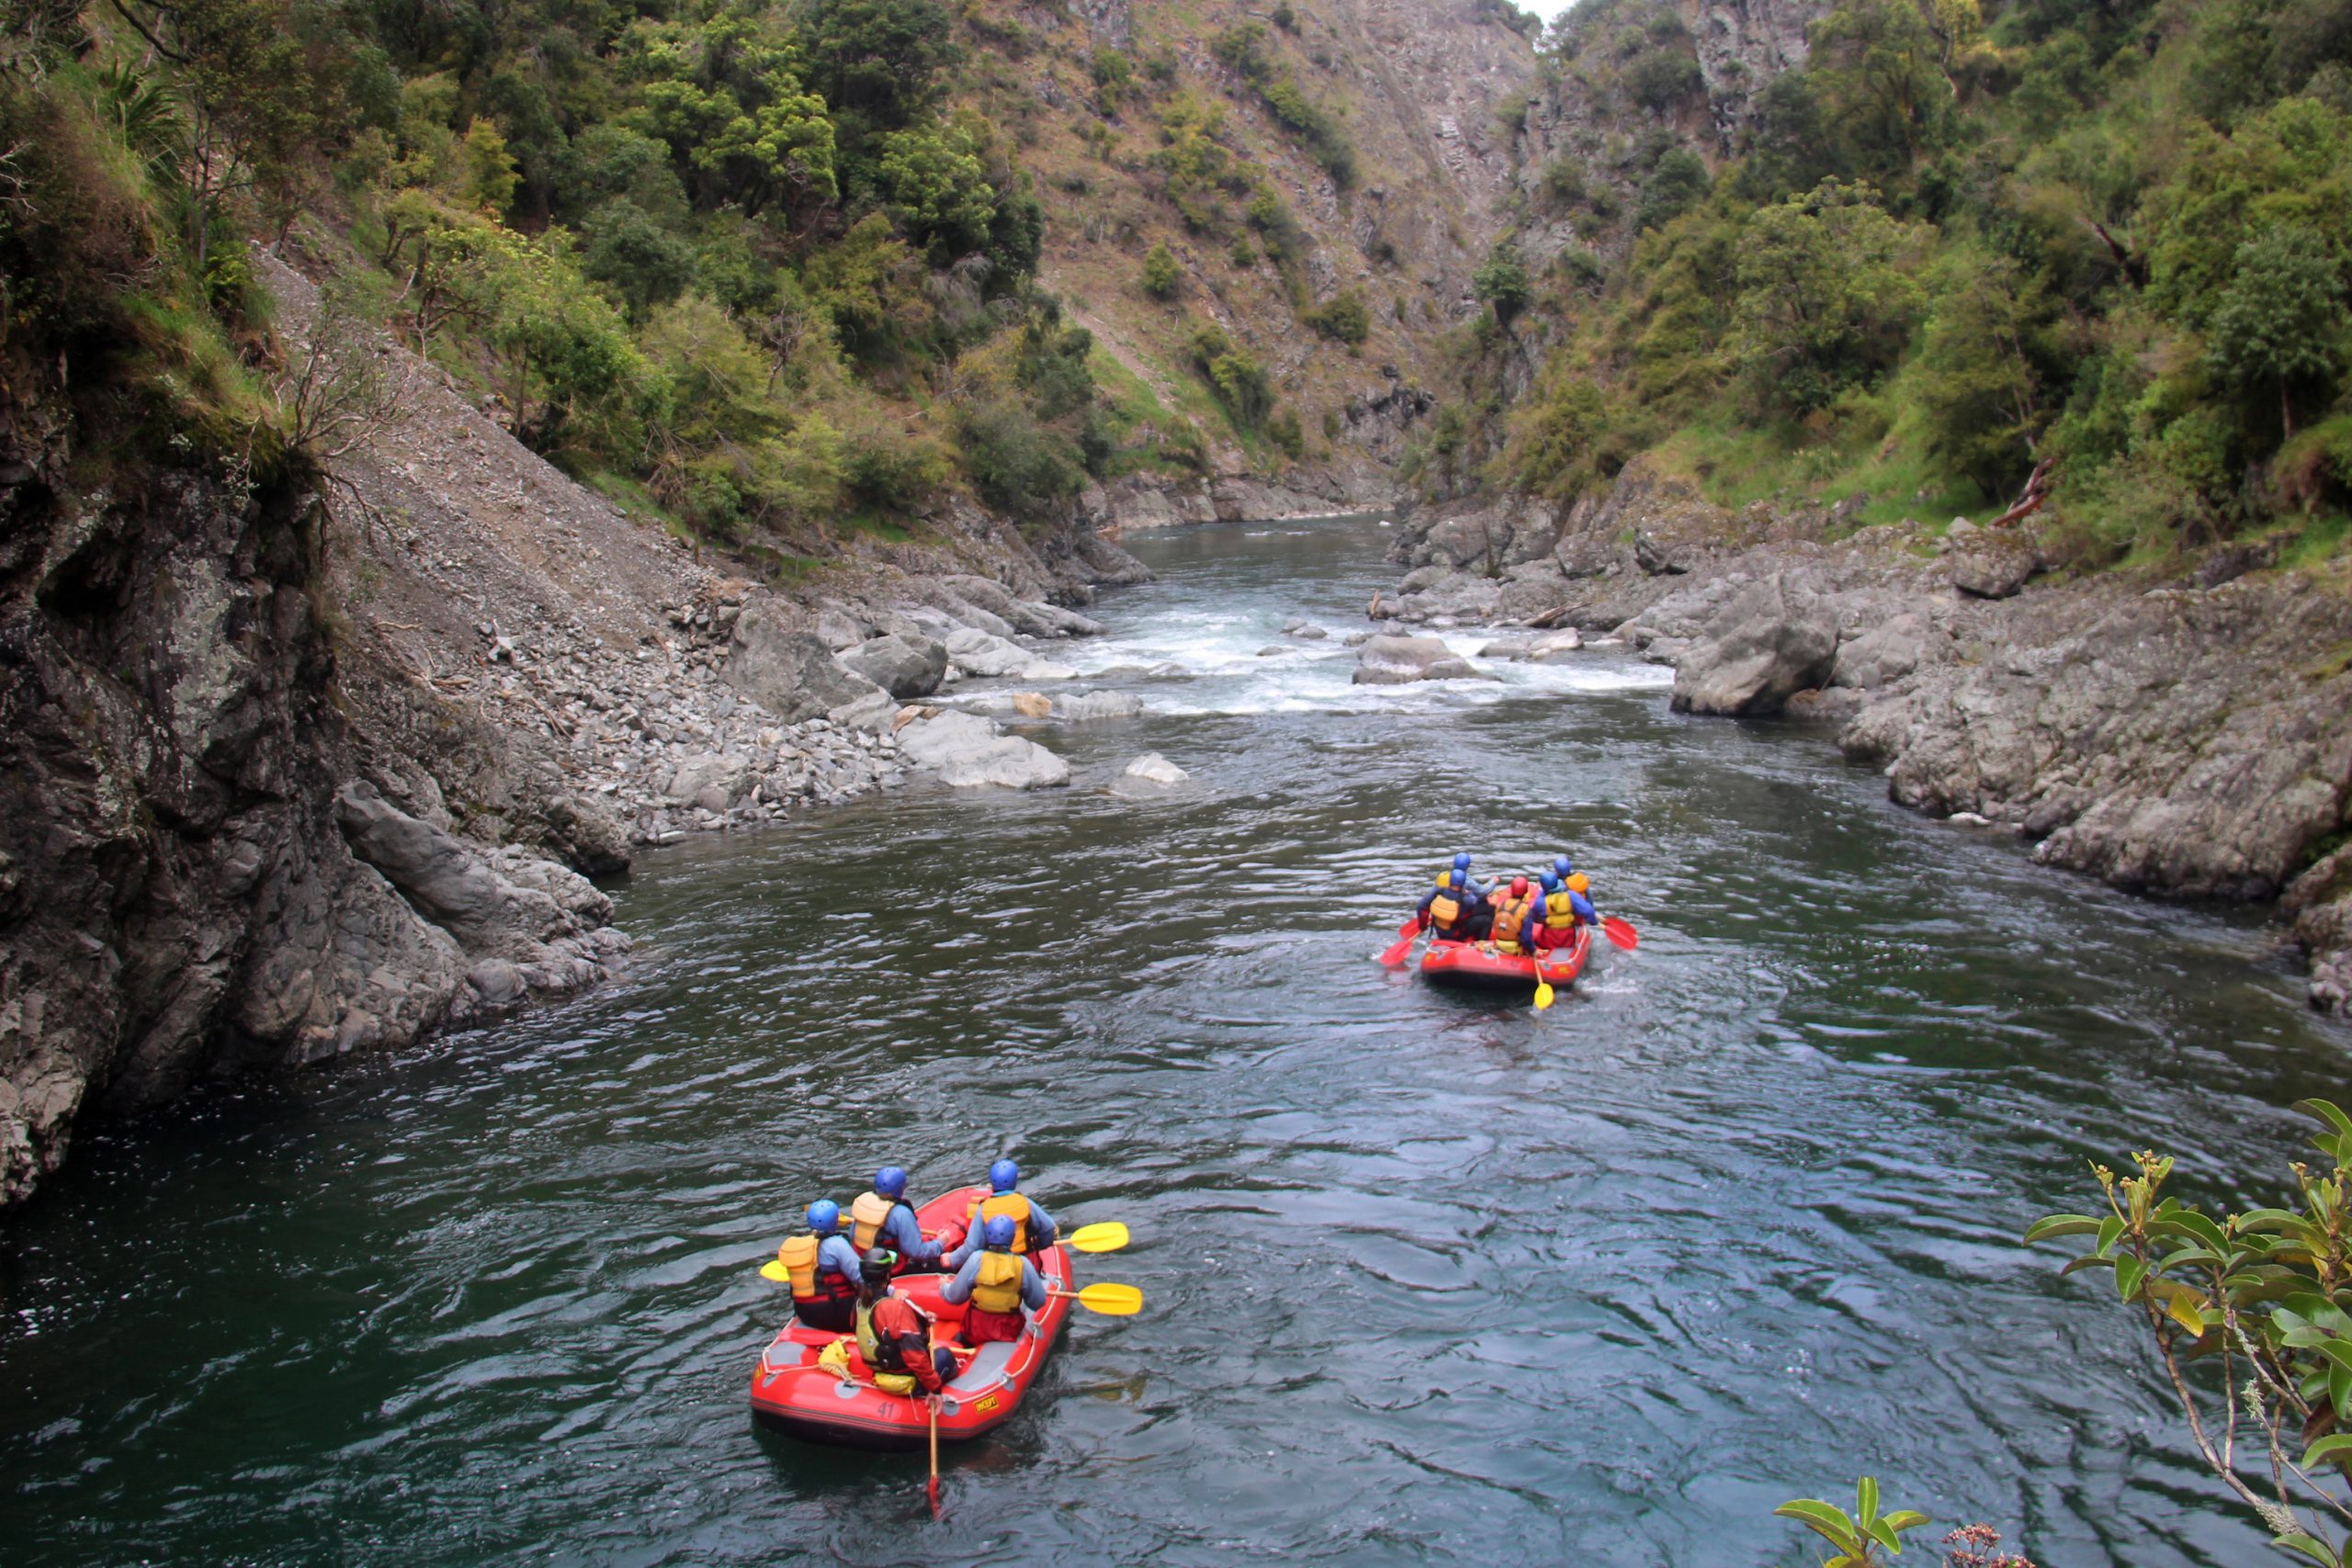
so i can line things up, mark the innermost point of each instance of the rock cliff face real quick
(194, 878)
(2190, 737)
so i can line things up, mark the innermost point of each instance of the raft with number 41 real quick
(836, 1400)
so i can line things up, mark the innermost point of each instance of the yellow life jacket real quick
(1446, 908)
(997, 1287)
(866, 1212)
(1560, 910)
(1012, 1206)
(869, 1346)
(1510, 915)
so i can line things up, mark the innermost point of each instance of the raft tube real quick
(790, 1393)
(1477, 966)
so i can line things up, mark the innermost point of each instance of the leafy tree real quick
(2280, 321)
(640, 262)
(1502, 283)
(1678, 182)
(1875, 71)
(489, 177)
(1825, 299)
(1237, 377)
(877, 62)
(1161, 274)
(935, 186)
(1978, 383)
(1015, 461)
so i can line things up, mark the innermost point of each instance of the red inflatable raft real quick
(1477, 966)
(792, 1394)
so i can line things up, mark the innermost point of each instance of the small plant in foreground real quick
(1857, 1536)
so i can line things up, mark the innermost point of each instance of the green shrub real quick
(1162, 277)
(1344, 319)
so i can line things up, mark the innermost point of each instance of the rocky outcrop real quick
(1772, 640)
(905, 666)
(977, 652)
(965, 751)
(790, 671)
(192, 880)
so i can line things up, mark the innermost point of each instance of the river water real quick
(1427, 1280)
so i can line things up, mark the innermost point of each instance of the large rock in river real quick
(1773, 639)
(1396, 660)
(978, 653)
(970, 753)
(790, 672)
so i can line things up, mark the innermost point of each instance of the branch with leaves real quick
(2263, 1294)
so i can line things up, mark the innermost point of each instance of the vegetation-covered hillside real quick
(769, 268)
(2113, 237)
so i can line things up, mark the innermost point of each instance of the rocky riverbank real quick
(299, 768)
(2188, 735)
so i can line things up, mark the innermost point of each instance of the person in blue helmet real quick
(997, 1284)
(1552, 922)
(883, 1218)
(823, 1268)
(1033, 1228)
(1456, 910)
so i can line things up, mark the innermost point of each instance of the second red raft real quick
(792, 1394)
(1477, 966)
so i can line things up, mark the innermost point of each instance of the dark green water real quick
(1428, 1281)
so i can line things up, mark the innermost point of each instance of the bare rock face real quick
(1774, 639)
(1399, 661)
(790, 672)
(966, 752)
(179, 897)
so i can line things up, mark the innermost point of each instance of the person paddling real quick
(1453, 910)
(883, 1218)
(1513, 906)
(1033, 1228)
(824, 1269)
(998, 1284)
(1552, 917)
(893, 1334)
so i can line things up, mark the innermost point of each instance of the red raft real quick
(1477, 966)
(792, 1394)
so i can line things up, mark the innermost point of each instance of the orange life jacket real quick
(1012, 1206)
(1510, 914)
(997, 1287)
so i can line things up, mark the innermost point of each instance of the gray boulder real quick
(790, 672)
(909, 666)
(710, 780)
(1990, 564)
(1093, 706)
(1398, 660)
(1029, 618)
(978, 653)
(456, 886)
(1153, 771)
(966, 752)
(1773, 639)
(1889, 651)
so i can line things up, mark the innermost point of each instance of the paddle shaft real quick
(931, 1491)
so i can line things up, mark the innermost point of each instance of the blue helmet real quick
(824, 1216)
(1550, 881)
(1462, 860)
(1003, 1176)
(890, 1181)
(1563, 867)
(1457, 878)
(998, 1232)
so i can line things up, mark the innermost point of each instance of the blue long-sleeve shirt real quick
(902, 1234)
(1041, 1235)
(836, 1254)
(958, 1289)
(1576, 901)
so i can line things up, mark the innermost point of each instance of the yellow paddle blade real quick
(771, 1269)
(1543, 995)
(1108, 1236)
(1112, 1300)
